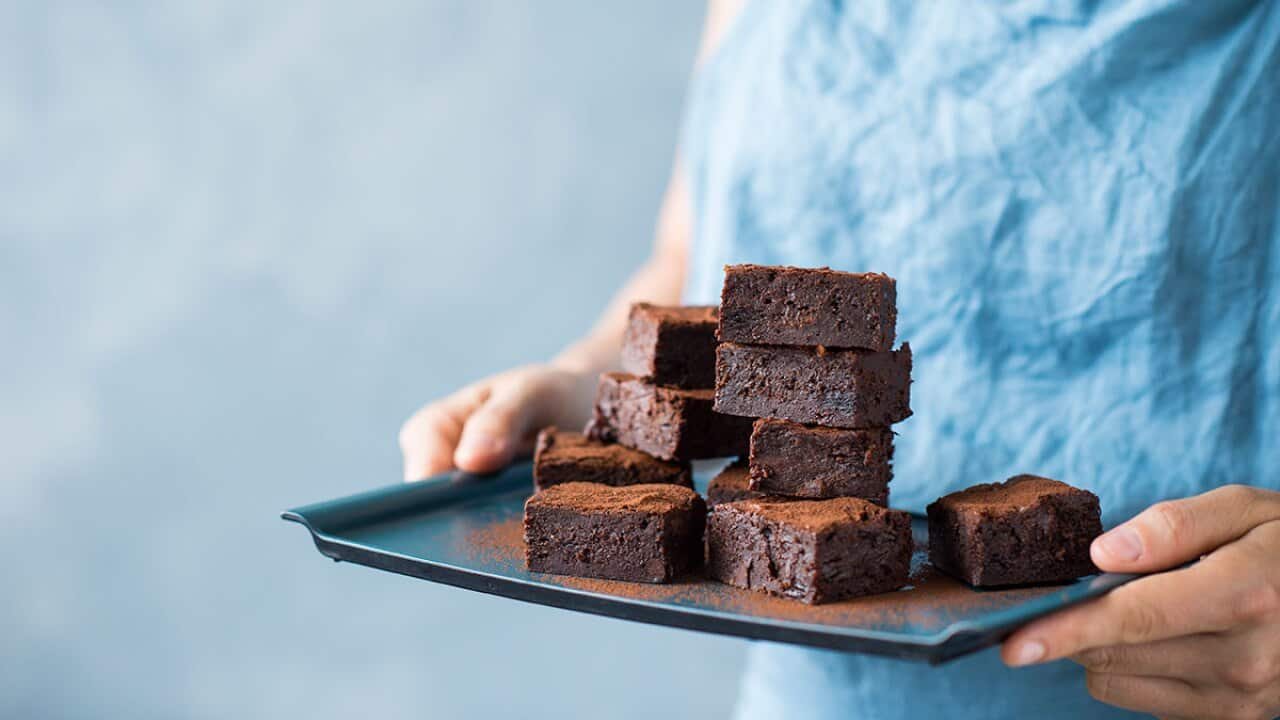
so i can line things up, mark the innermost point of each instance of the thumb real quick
(495, 431)
(1171, 533)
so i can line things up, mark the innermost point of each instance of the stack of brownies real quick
(615, 502)
(810, 353)
(656, 416)
(662, 403)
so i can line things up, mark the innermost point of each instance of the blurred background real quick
(239, 243)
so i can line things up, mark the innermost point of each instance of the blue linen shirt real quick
(1081, 204)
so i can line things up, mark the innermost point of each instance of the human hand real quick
(1201, 641)
(483, 426)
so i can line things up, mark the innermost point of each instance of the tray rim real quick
(955, 640)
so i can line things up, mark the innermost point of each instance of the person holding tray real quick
(1081, 203)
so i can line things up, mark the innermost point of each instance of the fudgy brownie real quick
(811, 550)
(836, 388)
(562, 457)
(673, 346)
(731, 485)
(769, 305)
(667, 423)
(641, 533)
(1028, 529)
(820, 462)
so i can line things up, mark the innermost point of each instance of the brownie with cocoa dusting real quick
(1028, 529)
(770, 305)
(836, 388)
(820, 462)
(668, 423)
(811, 550)
(641, 533)
(561, 457)
(731, 485)
(672, 346)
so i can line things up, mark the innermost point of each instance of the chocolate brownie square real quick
(836, 388)
(731, 485)
(769, 305)
(672, 346)
(820, 462)
(1028, 529)
(667, 423)
(641, 533)
(561, 457)
(811, 550)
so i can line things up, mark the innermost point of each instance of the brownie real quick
(731, 485)
(820, 462)
(811, 550)
(769, 305)
(836, 388)
(668, 423)
(641, 533)
(672, 346)
(562, 457)
(1026, 530)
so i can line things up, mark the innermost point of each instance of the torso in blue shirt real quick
(1081, 204)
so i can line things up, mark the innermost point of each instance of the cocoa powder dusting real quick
(500, 542)
(932, 600)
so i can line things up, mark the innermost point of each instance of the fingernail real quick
(1029, 652)
(1122, 544)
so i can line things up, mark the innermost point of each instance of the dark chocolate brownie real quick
(562, 457)
(836, 388)
(820, 462)
(731, 485)
(641, 533)
(667, 423)
(1026, 530)
(768, 305)
(811, 550)
(672, 346)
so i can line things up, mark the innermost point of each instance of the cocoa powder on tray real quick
(497, 542)
(932, 601)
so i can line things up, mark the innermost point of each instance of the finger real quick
(429, 438)
(1171, 533)
(497, 429)
(1197, 659)
(427, 442)
(1158, 696)
(1203, 598)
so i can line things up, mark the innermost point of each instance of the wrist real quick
(586, 357)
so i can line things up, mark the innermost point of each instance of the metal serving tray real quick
(465, 530)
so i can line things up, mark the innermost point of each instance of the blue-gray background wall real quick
(239, 243)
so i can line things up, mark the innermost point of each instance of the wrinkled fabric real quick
(1080, 202)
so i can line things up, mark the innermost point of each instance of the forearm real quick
(659, 280)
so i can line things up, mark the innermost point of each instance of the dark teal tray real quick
(465, 530)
